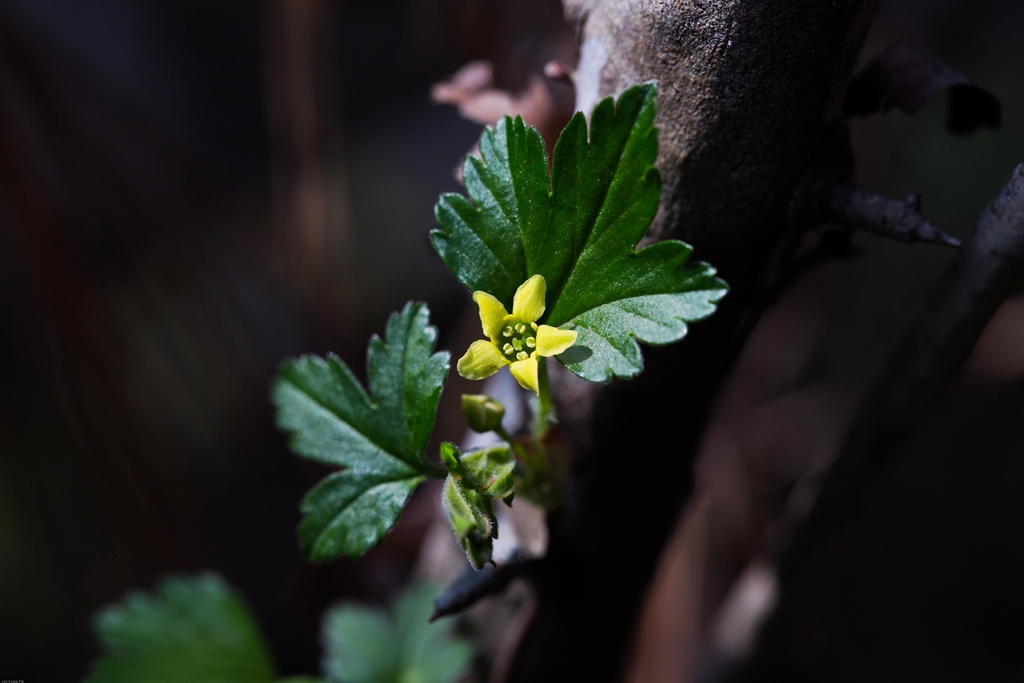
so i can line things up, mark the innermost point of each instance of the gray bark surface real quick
(746, 92)
(748, 95)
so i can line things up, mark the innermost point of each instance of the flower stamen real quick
(515, 339)
(518, 343)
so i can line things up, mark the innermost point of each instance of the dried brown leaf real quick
(905, 76)
(545, 104)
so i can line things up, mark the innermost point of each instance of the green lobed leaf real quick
(367, 645)
(191, 630)
(380, 441)
(348, 512)
(580, 233)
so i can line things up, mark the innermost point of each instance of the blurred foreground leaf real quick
(368, 645)
(191, 630)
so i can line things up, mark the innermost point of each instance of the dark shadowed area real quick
(191, 192)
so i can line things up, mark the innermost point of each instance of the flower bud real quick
(482, 412)
(490, 470)
(472, 519)
(451, 459)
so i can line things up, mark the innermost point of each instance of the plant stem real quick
(435, 472)
(516, 446)
(545, 411)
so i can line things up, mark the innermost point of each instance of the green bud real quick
(490, 470)
(451, 459)
(482, 412)
(472, 519)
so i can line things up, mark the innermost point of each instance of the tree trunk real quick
(750, 97)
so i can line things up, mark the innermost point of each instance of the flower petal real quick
(492, 314)
(552, 341)
(482, 360)
(525, 372)
(528, 304)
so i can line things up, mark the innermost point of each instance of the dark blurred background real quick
(192, 191)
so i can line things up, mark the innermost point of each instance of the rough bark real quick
(748, 94)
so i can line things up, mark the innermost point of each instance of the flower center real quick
(518, 339)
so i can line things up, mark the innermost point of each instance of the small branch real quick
(861, 209)
(475, 585)
(919, 373)
(854, 208)
(906, 392)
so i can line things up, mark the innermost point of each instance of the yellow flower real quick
(514, 339)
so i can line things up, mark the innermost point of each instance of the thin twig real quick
(919, 373)
(905, 393)
(861, 209)
(475, 585)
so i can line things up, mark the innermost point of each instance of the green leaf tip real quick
(578, 227)
(189, 630)
(369, 645)
(379, 438)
